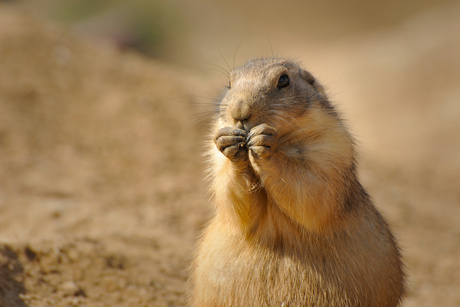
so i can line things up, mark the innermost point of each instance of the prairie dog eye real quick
(229, 86)
(283, 81)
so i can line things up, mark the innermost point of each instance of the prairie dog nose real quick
(240, 110)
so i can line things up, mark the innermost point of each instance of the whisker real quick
(287, 116)
(236, 51)
(219, 69)
(221, 54)
(270, 44)
(282, 118)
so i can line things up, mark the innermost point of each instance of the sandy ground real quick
(102, 193)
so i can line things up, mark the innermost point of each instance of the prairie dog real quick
(293, 226)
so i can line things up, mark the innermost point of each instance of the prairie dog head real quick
(270, 90)
(279, 93)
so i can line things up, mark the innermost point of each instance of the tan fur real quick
(293, 225)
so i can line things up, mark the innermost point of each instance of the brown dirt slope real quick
(101, 193)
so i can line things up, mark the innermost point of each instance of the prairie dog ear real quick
(308, 77)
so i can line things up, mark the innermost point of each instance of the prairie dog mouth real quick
(244, 125)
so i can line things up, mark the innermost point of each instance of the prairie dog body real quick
(293, 225)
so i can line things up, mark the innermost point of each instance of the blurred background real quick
(102, 195)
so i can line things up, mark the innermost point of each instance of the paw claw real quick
(232, 143)
(262, 140)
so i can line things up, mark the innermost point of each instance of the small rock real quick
(70, 288)
(30, 253)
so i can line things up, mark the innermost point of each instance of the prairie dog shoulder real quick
(293, 225)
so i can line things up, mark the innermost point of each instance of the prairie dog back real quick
(292, 226)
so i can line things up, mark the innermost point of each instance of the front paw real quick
(232, 143)
(262, 141)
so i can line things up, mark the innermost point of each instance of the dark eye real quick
(229, 86)
(283, 81)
